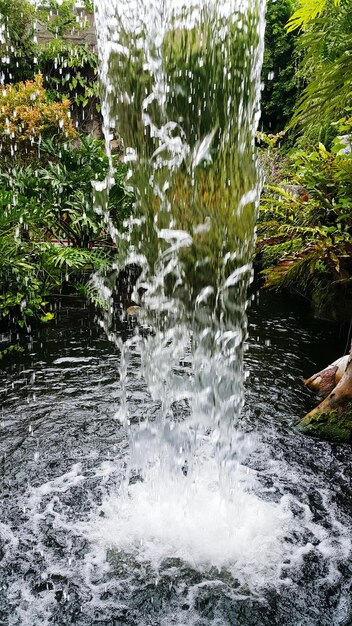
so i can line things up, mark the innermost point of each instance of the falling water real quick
(180, 87)
(131, 493)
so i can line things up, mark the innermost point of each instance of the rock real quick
(297, 191)
(332, 418)
(324, 381)
(133, 311)
(345, 142)
(334, 425)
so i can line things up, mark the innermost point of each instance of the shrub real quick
(71, 71)
(326, 43)
(26, 117)
(51, 238)
(305, 226)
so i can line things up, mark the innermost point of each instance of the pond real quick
(64, 455)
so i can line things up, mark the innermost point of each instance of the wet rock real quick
(133, 311)
(324, 381)
(297, 191)
(332, 418)
(335, 425)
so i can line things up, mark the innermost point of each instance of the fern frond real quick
(306, 12)
(91, 292)
(330, 92)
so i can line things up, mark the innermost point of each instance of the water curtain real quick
(180, 88)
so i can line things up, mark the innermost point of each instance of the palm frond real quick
(327, 66)
(307, 11)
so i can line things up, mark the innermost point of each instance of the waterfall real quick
(180, 87)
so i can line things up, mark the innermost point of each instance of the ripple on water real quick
(70, 546)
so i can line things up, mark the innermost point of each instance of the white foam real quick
(192, 520)
(74, 359)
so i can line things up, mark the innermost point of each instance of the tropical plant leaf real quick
(307, 11)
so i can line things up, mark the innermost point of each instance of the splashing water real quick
(180, 87)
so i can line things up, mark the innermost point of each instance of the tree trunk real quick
(332, 418)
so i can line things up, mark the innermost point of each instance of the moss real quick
(335, 425)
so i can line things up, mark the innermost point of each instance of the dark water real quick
(62, 453)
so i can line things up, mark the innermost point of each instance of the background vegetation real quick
(51, 236)
(280, 67)
(305, 224)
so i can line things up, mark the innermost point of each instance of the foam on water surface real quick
(197, 524)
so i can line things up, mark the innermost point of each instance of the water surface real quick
(64, 456)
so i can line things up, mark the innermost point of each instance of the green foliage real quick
(10, 350)
(273, 162)
(17, 48)
(279, 67)
(305, 227)
(308, 11)
(89, 5)
(60, 17)
(50, 235)
(70, 71)
(89, 291)
(326, 44)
